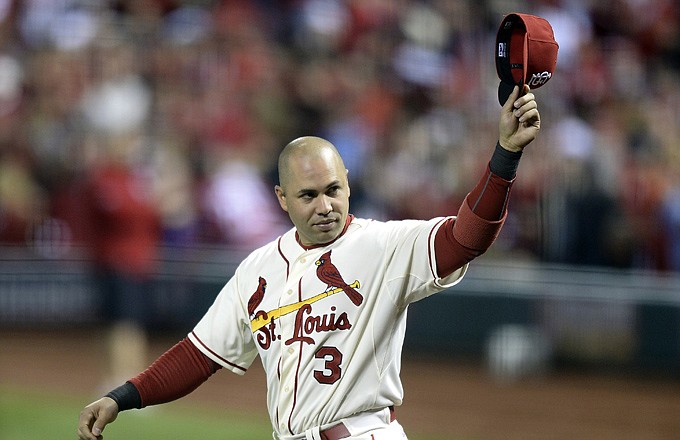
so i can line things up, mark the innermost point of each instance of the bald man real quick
(324, 305)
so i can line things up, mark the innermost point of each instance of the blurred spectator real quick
(119, 101)
(641, 197)
(173, 186)
(123, 237)
(21, 198)
(67, 25)
(240, 204)
(583, 217)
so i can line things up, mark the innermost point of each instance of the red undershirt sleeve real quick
(479, 221)
(176, 373)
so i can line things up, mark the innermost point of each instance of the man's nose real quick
(323, 206)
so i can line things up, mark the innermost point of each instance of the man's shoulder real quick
(363, 228)
(361, 225)
(392, 231)
(367, 223)
(265, 251)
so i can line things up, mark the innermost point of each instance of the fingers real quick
(97, 430)
(521, 101)
(85, 423)
(520, 105)
(525, 108)
(95, 417)
(527, 113)
(520, 120)
(100, 423)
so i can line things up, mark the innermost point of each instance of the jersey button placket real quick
(289, 362)
(290, 355)
(287, 389)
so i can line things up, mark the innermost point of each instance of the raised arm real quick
(483, 212)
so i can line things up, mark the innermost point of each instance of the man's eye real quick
(333, 190)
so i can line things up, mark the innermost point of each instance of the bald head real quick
(313, 189)
(309, 148)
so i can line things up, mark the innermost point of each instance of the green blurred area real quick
(41, 416)
(36, 416)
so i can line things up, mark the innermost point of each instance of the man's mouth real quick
(325, 225)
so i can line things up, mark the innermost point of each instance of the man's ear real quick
(281, 197)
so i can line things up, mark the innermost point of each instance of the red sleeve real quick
(174, 374)
(479, 221)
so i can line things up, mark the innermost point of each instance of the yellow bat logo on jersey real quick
(263, 318)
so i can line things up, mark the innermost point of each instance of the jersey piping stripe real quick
(284, 258)
(278, 371)
(297, 371)
(217, 355)
(295, 391)
(430, 247)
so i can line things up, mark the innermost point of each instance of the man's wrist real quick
(507, 145)
(504, 163)
(126, 397)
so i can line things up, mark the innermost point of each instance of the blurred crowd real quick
(130, 124)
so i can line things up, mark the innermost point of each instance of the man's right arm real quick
(176, 373)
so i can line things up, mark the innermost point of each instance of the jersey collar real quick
(349, 219)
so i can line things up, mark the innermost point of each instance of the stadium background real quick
(580, 294)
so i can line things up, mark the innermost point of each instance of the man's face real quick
(316, 196)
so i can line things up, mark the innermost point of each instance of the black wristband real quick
(504, 163)
(126, 397)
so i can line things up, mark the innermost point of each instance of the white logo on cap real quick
(538, 79)
(501, 50)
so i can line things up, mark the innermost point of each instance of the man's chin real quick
(326, 236)
(320, 237)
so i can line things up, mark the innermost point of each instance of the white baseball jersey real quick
(328, 323)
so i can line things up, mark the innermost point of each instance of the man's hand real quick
(520, 120)
(95, 416)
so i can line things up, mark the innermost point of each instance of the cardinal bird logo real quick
(258, 296)
(329, 274)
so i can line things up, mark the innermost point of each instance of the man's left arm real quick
(484, 209)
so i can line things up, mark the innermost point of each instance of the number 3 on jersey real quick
(332, 360)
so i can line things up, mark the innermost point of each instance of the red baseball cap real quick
(526, 53)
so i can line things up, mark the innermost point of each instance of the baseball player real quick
(324, 305)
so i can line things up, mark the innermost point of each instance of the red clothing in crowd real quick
(123, 223)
